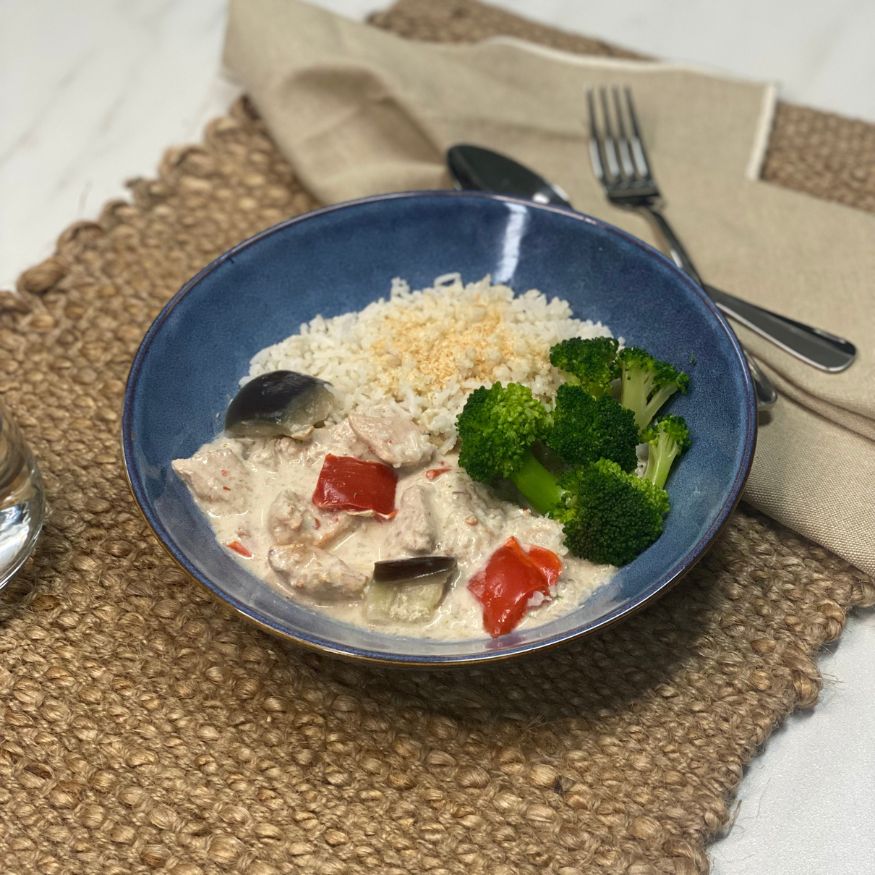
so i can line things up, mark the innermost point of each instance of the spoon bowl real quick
(477, 169)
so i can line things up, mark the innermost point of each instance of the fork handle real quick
(766, 396)
(671, 242)
(811, 345)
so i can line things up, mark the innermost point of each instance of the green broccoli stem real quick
(659, 397)
(635, 392)
(633, 395)
(537, 485)
(660, 458)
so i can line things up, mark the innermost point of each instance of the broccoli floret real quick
(647, 383)
(585, 429)
(609, 515)
(667, 438)
(497, 429)
(590, 363)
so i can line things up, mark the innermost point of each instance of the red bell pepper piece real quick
(511, 577)
(547, 561)
(434, 473)
(237, 547)
(348, 483)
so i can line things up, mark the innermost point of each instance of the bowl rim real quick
(654, 591)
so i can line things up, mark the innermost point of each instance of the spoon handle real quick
(814, 346)
(480, 169)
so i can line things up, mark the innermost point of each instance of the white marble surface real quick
(77, 82)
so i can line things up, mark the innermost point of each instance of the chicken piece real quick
(414, 528)
(340, 440)
(291, 518)
(285, 518)
(392, 438)
(316, 574)
(218, 479)
(271, 453)
(472, 518)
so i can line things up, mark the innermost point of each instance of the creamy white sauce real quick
(470, 523)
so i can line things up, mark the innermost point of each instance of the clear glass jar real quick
(22, 500)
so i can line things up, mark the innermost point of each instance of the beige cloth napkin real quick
(359, 111)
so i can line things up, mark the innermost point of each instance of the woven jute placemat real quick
(145, 728)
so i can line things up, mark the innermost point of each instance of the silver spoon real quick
(478, 169)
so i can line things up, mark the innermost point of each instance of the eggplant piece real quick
(408, 590)
(279, 403)
(413, 568)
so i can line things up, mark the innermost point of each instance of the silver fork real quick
(620, 162)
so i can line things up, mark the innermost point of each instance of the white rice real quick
(426, 350)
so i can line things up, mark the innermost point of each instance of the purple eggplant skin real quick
(278, 403)
(413, 568)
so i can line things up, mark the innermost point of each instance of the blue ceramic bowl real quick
(340, 258)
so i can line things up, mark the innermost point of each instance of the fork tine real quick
(596, 156)
(624, 152)
(609, 147)
(639, 153)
